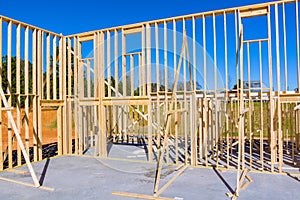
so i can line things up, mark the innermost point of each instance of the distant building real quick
(254, 86)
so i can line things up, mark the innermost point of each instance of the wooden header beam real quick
(126, 101)
(51, 103)
(86, 38)
(254, 12)
(133, 30)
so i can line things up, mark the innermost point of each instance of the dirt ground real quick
(49, 130)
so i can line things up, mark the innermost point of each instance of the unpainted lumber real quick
(18, 89)
(140, 196)
(279, 130)
(40, 61)
(69, 103)
(26, 57)
(9, 52)
(271, 98)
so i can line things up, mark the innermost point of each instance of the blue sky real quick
(73, 16)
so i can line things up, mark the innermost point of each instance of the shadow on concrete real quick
(223, 180)
(42, 178)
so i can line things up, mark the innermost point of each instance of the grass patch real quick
(52, 125)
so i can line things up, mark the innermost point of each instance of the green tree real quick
(12, 88)
(112, 83)
(56, 57)
(238, 85)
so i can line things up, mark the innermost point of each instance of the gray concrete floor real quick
(75, 177)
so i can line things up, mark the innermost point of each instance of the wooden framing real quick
(20, 143)
(18, 90)
(39, 92)
(140, 196)
(196, 15)
(27, 145)
(9, 134)
(180, 104)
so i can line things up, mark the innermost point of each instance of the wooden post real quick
(279, 131)
(176, 103)
(108, 64)
(272, 144)
(39, 92)
(9, 135)
(193, 106)
(102, 139)
(261, 110)
(26, 90)
(76, 102)
(185, 104)
(241, 117)
(48, 67)
(116, 62)
(216, 120)
(18, 89)
(69, 99)
(88, 108)
(165, 67)
(59, 111)
(236, 27)
(157, 85)
(148, 47)
(250, 105)
(116, 77)
(226, 89)
(94, 131)
(64, 97)
(80, 96)
(284, 48)
(54, 77)
(205, 106)
(143, 66)
(124, 88)
(193, 129)
(34, 85)
(165, 59)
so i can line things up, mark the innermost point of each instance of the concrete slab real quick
(75, 177)
(132, 152)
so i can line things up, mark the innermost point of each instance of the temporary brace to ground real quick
(241, 185)
(21, 145)
(244, 182)
(295, 176)
(156, 190)
(156, 195)
(180, 170)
